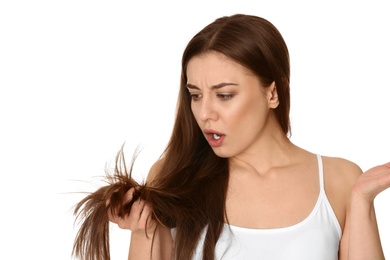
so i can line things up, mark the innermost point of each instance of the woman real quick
(230, 184)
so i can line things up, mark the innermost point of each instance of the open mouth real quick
(216, 136)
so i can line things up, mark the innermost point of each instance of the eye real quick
(195, 96)
(225, 96)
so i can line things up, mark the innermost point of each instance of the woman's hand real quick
(372, 182)
(362, 240)
(139, 217)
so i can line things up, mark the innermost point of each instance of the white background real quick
(80, 78)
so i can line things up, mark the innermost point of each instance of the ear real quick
(273, 98)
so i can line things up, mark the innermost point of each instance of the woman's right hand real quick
(139, 217)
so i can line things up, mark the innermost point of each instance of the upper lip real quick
(211, 131)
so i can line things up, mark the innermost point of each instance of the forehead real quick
(214, 65)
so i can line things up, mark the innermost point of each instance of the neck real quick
(272, 150)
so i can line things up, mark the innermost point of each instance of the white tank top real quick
(316, 237)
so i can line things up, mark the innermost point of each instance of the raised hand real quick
(373, 182)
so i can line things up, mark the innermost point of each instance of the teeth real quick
(215, 136)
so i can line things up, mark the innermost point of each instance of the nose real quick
(207, 110)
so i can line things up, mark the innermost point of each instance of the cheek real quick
(248, 116)
(194, 111)
(247, 109)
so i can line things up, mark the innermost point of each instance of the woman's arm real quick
(361, 238)
(143, 247)
(364, 240)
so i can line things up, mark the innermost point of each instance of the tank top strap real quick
(320, 172)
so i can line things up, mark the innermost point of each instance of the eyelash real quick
(223, 97)
(194, 97)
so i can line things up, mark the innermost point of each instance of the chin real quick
(221, 153)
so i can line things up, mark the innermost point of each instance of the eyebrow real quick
(218, 86)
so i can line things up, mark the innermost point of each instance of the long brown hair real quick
(189, 191)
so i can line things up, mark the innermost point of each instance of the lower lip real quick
(215, 142)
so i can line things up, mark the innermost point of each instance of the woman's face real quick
(229, 103)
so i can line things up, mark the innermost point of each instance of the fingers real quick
(137, 208)
(374, 181)
(128, 196)
(145, 212)
(139, 214)
(138, 217)
(112, 213)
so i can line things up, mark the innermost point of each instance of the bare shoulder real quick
(155, 170)
(341, 170)
(340, 175)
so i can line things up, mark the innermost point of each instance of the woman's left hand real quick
(373, 182)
